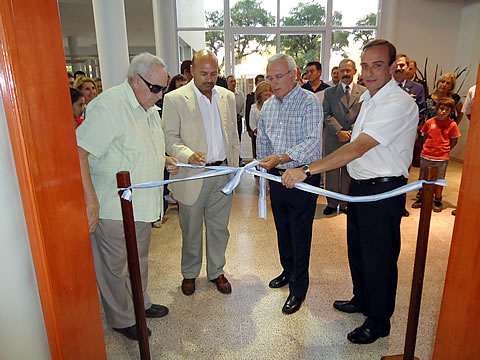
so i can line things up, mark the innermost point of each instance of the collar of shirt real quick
(200, 96)
(402, 83)
(291, 95)
(349, 87)
(133, 101)
(381, 94)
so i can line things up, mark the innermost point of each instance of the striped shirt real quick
(120, 135)
(292, 127)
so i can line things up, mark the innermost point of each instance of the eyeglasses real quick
(277, 77)
(155, 89)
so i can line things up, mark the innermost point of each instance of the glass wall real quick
(244, 33)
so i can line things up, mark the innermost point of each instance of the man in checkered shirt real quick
(289, 136)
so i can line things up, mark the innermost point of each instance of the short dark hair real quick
(185, 66)
(79, 72)
(172, 85)
(229, 76)
(258, 77)
(446, 101)
(75, 95)
(392, 52)
(335, 68)
(316, 64)
(403, 56)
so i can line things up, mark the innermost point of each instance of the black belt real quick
(379, 180)
(277, 171)
(216, 163)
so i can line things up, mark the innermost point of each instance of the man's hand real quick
(292, 176)
(250, 133)
(171, 165)
(197, 158)
(269, 162)
(92, 213)
(344, 135)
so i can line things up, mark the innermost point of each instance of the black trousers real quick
(293, 213)
(373, 238)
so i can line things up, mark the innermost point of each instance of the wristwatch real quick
(306, 170)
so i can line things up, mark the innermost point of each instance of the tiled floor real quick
(249, 324)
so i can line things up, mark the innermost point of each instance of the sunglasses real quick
(155, 89)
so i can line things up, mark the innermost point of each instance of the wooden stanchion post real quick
(419, 268)
(123, 181)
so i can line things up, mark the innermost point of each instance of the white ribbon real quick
(263, 175)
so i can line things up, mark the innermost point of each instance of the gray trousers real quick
(212, 207)
(338, 181)
(111, 269)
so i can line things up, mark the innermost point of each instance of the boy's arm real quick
(453, 142)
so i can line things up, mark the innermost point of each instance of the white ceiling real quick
(76, 17)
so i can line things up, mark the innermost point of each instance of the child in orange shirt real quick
(441, 134)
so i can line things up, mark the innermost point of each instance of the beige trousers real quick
(111, 268)
(212, 207)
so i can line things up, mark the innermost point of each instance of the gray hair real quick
(142, 63)
(346, 61)
(290, 61)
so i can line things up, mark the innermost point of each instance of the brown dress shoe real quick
(222, 284)
(188, 286)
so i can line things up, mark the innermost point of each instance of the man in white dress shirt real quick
(467, 106)
(377, 159)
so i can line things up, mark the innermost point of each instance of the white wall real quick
(192, 14)
(22, 329)
(447, 32)
(468, 53)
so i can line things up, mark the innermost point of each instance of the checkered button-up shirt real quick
(292, 127)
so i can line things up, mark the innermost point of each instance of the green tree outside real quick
(365, 35)
(249, 13)
(245, 13)
(306, 48)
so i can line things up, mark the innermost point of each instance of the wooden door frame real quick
(34, 89)
(458, 325)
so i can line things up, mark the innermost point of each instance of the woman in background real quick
(78, 106)
(445, 89)
(262, 93)
(87, 87)
(176, 82)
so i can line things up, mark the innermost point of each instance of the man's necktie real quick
(347, 94)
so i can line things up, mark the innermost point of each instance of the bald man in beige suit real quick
(200, 126)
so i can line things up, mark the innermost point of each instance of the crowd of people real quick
(360, 134)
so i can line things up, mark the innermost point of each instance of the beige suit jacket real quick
(185, 134)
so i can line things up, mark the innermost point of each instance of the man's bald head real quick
(205, 71)
(203, 54)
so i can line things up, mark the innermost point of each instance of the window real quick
(244, 33)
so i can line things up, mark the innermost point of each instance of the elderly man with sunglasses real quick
(122, 131)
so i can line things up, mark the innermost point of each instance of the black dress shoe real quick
(365, 335)
(278, 282)
(156, 311)
(188, 286)
(131, 332)
(346, 306)
(292, 304)
(329, 210)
